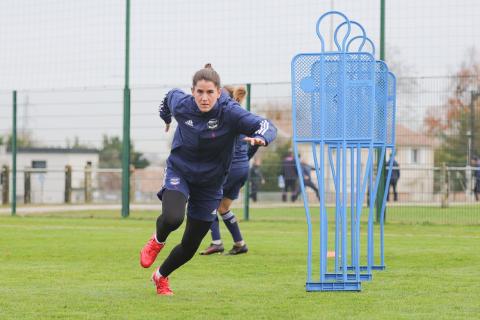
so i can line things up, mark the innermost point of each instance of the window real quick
(39, 164)
(415, 155)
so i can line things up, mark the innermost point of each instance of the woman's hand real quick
(255, 141)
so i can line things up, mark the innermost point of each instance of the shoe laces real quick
(163, 285)
(154, 245)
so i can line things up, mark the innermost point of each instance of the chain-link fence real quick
(77, 50)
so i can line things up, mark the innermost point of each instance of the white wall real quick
(49, 187)
(416, 179)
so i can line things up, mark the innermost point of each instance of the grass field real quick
(85, 265)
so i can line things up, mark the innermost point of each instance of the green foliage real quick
(138, 161)
(454, 148)
(111, 154)
(272, 164)
(23, 141)
(458, 128)
(77, 144)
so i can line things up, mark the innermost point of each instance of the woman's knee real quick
(170, 219)
(173, 209)
(223, 208)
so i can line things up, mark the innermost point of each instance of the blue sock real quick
(215, 228)
(232, 226)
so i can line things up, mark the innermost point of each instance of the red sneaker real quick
(161, 283)
(150, 251)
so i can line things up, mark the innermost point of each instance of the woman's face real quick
(206, 95)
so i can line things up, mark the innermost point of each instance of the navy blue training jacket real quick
(203, 143)
(242, 153)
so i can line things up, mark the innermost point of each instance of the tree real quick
(272, 164)
(138, 160)
(457, 129)
(24, 140)
(77, 144)
(111, 154)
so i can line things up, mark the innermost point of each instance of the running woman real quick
(209, 122)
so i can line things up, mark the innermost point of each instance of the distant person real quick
(307, 178)
(256, 178)
(394, 180)
(476, 175)
(290, 177)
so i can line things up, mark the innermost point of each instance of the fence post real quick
(6, 184)
(27, 186)
(126, 120)
(88, 183)
(14, 153)
(382, 187)
(246, 187)
(444, 186)
(132, 183)
(68, 184)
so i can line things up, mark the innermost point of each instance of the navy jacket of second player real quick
(203, 143)
(242, 152)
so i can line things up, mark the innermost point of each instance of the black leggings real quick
(173, 213)
(172, 216)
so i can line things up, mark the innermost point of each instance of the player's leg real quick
(236, 180)
(285, 190)
(231, 223)
(477, 189)
(388, 191)
(173, 213)
(195, 231)
(215, 231)
(253, 191)
(216, 246)
(295, 190)
(174, 195)
(310, 184)
(193, 235)
(395, 194)
(202, 210)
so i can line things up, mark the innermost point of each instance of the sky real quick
(66, 57)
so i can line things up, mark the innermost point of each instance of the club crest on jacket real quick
(212, 124)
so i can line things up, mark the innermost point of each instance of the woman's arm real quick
(170, 102)
(259, 131)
